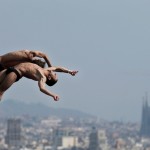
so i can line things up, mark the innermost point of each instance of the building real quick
(69, 141)
(94, 140)
(57, 137)
(63, 140)
(102, 138)
(145, 123)
(13, 136)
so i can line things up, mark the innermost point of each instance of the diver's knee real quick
(1, 95)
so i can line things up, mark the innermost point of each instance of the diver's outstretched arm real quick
(64, 70)
(41, 84)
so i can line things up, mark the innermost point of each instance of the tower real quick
(103, 139)
(13, 136)
(94, 140)
(57, 137)
(145, 123)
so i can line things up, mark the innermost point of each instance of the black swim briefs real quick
(12, 69)
(1, 67)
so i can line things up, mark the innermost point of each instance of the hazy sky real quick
(107, 41)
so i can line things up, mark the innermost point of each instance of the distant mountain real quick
(11, 108)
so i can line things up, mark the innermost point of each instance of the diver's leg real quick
(2, 75)
(7, 82)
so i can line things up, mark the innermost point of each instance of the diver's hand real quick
(55, 97)
(73, 73)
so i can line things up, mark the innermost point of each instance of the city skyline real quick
(107, 41)
(84, 134)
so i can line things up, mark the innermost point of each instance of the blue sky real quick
(107, 41)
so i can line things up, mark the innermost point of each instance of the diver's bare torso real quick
(29, 70)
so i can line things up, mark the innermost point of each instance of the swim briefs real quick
(12, 69)
(1, 67)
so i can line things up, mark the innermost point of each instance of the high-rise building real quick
(94, 140)
(145, 123)
(63, 140)
(57, 137)
(103, 139)
(13, 136)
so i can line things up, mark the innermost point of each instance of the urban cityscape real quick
(72, 133)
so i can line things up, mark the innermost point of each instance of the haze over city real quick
(107, 41)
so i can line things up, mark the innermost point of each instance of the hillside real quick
(11, 108)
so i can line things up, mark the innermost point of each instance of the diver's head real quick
(51, 79)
